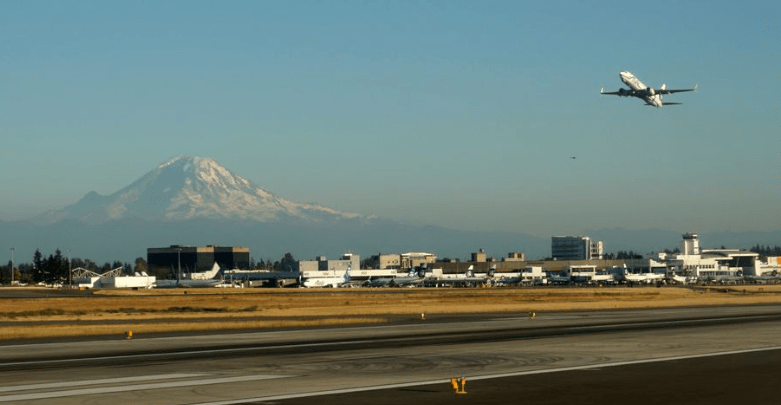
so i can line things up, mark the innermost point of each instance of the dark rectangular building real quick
(196, 259)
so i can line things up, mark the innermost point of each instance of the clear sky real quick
(463, 114)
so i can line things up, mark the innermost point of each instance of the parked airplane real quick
(334, 282)
(510, 279)
(724, 279)
(559, 277)
(763, 279)
(682, 279)
(467, 279)
(528, 276)
(414, 277)
(644, 278)
(196, 280)
(652, 97)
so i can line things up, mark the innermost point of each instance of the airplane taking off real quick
(652, 97)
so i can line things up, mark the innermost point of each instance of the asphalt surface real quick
(710, 355)
(748, 378)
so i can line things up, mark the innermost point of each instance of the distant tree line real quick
(765, 251)
(623, 255)
(54, 268)
(287, 262)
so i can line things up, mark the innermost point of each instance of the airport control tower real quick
(690, 244)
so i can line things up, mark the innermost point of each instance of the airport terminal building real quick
(196, 258)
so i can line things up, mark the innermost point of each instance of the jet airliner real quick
(651, 96)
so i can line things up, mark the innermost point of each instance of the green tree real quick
(287, 263)
(37, 266)
(59, 267)
(141, 265)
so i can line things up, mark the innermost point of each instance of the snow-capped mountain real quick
(189, 187)
(195, 201)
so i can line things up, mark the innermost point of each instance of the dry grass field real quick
(112, 312)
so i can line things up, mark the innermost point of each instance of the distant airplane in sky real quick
(637, 89)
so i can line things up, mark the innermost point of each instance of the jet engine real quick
(651, 91)
(621, 92)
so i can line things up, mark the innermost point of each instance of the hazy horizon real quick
(455, 114)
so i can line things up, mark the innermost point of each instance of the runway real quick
(744, 378)
(608, 354)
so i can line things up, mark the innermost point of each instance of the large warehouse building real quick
(196, 258)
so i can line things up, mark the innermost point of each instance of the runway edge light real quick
(454, 384)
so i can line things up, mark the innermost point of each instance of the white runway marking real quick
(138, 387)
(486, 377)
(95, 382)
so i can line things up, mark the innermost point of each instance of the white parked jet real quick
(414, 277)
(195, 280)
(334, 282)
(467, 279)
(652, 97)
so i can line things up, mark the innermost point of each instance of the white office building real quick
(576, 248)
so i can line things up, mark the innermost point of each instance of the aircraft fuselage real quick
(636, 85)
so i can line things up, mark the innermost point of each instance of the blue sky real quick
(460, 114)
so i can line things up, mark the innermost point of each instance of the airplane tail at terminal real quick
(347, 273)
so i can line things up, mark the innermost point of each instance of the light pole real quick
(13, 249)
(179, 264)
(70, 277)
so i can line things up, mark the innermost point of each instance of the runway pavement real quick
(573, 357)
(738, 378)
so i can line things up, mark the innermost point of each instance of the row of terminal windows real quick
(701, 266)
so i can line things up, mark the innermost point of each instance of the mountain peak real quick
(187, 162)
(188, 187)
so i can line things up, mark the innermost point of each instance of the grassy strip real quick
(139, 329)
(59, 312)
(119, 309)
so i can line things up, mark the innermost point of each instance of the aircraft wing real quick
(644, 92)
(666, 91)
(663, 103)
(624, 93)
(614, 93)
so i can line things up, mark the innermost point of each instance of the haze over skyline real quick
(457, 114)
